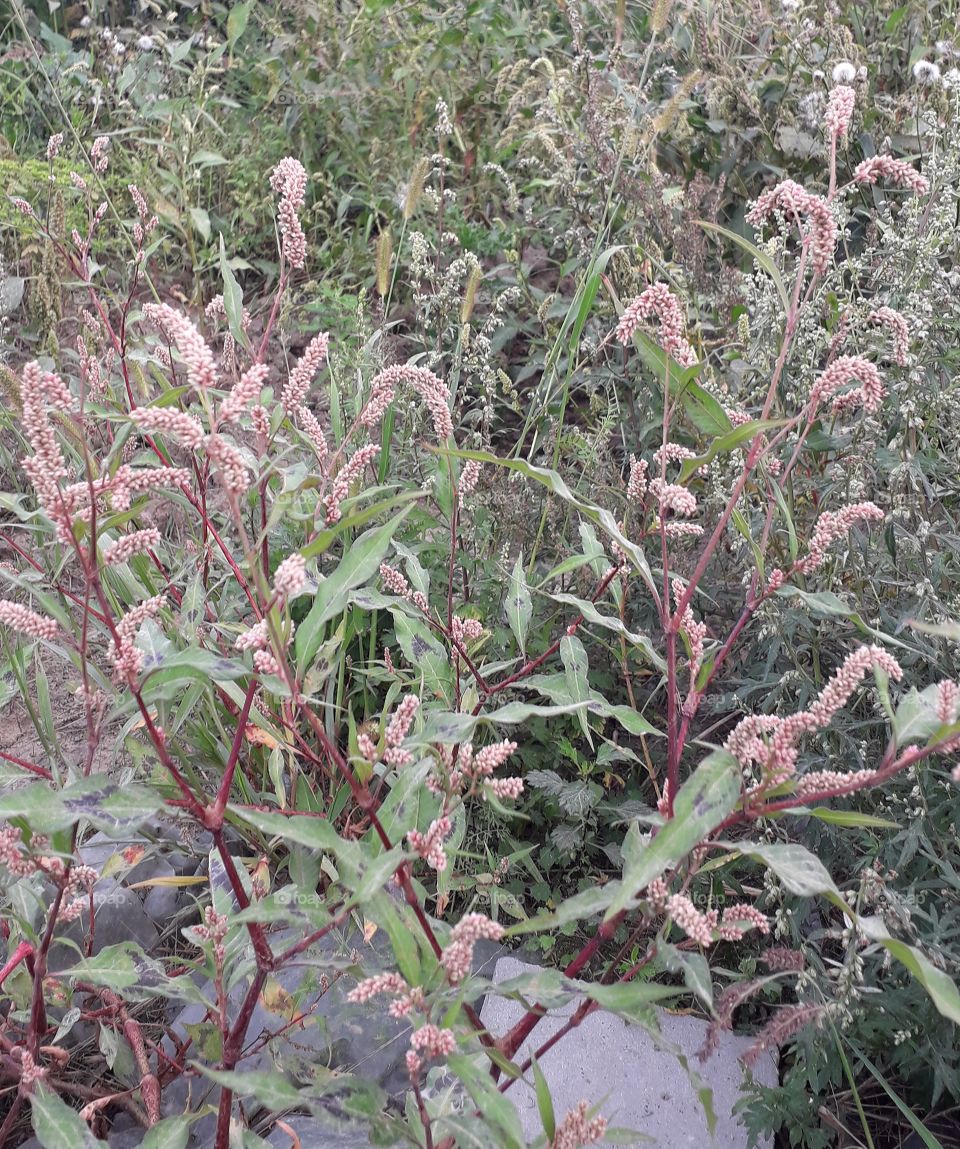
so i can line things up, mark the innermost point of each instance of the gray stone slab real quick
(617, 1065)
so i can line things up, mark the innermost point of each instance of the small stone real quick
(638, 1085)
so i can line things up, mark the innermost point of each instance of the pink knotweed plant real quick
(302, 376)
(637, 482)
(194, 350)
(469, 477)
(457, 956)
(127, 659)
(243, 393)
(290, 578)
(576, 1130)
(894, 171)
(834, 525)
(811, 214)
(430, 845)
(896, 324)
(132, 544)
(345, 480)
(289, 181)
(429, 1043)
(841, 373)
(398, 730)
(26, 621)
(167, 421)
(233, 471)
(839, 113)
(659, 301)
(770, 743)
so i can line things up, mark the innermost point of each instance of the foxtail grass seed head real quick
(384, 262)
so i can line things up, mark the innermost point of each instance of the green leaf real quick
(827, 603)
(425, 653)
(608, 622)
(557, 486)
(519, 604)
(237, 21)
(497, 1109)
(800, 871)
(201, 221)
(916, 717)
(171, 1133)
(359, 564)
(576, 667)
(544, 1101)
(755, 254)
(232, 299)
(943, 993)
(724, 444)
(112, 966)
(56, 1125)
(701, 804)
(845, 817)
(632, 1000)
(270, 1089)
(694, 967)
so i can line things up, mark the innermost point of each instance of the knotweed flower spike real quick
(307, 368)
(840, 111)
(168, 421)
(811, 214)
(289, 180)
(658, 300)
(896, 324)
(843, 371)
(290, 578)
(196, 355)
(894, 171)
(345, 479)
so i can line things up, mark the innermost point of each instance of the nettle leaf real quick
(566, 838)
(56, 1125)
(578, 798)
(701, 804)
(941, 988)
(547, 780)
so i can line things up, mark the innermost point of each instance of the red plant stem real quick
(511, 1041)
(31, 766)
(215, 813)
(529, 667)
(23, 951)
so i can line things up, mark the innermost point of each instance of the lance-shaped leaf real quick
(519, 604)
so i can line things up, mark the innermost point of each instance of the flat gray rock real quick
(638, 1086)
